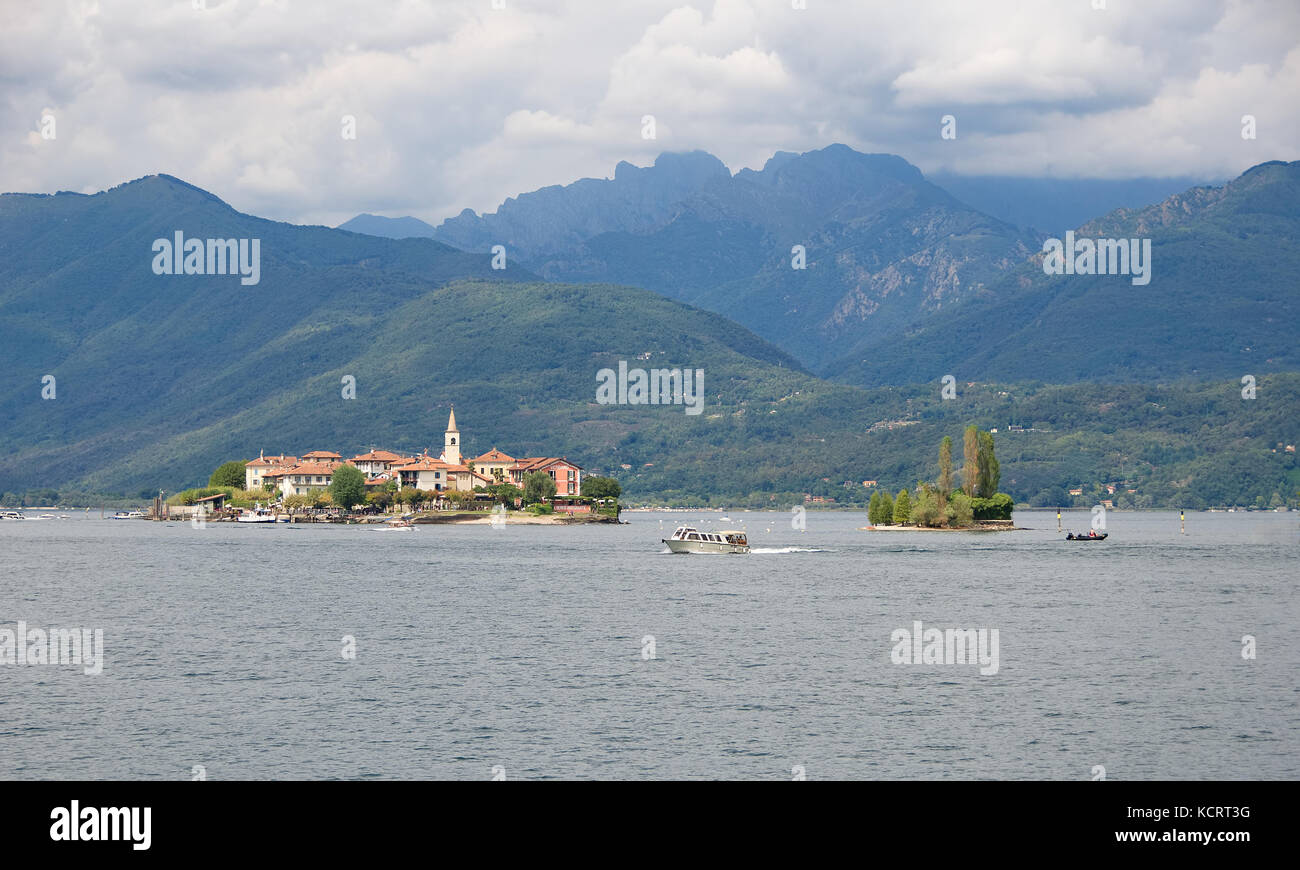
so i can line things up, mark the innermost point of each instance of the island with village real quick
(381, 486)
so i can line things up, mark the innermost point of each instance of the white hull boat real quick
(691, 540)
(261, 515)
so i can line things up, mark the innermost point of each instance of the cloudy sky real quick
(460, 104)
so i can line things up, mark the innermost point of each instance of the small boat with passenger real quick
(687, 539)
(1091, 536)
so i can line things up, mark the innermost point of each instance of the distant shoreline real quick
(993, 526)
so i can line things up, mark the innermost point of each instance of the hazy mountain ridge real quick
(162, 377)
(883, 246)
(1222, 300)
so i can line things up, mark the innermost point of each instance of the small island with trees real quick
(973, 505)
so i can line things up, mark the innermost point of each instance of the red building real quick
(567, 475)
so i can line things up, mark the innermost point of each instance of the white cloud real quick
(458, 104)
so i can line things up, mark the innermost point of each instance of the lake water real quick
(522, 648)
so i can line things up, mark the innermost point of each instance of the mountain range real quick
(155, 379)
(889, 255)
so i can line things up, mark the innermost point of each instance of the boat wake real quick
(772, 550)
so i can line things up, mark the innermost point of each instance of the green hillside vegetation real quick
(162, 379)
(1221, 301)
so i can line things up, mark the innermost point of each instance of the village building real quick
(494, 464)
(255, 470)
(423, 473)
(567, 475)
(377, 462)
(306, 477)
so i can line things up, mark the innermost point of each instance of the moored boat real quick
(260, 515)
(687, 539)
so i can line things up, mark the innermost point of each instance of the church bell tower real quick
(451, 441)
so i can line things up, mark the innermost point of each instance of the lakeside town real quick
(323, 486)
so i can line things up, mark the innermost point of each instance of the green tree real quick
(505, 493)
(886, 508)
(960, 512)
(926, 512)
(601, 487)
(902, 507)
(970, 471)
(295, 503)
(945, 466)
(348, 486)
(990, 473)
(873, 509)
(408, 496)
(538, 486)
(228, 474)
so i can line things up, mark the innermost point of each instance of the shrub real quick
(998, 507)
(925, 510)
(960, 512)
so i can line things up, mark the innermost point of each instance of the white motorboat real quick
(125, 515)
(260, 515)
(687, 539)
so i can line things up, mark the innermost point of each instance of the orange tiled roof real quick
(273, 461)
(537, 463)
(378, 456)
(425, 463)
(493, 455)
(312, 468)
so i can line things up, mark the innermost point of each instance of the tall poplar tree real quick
(990, 473)
(970, 453)
(945, 466)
